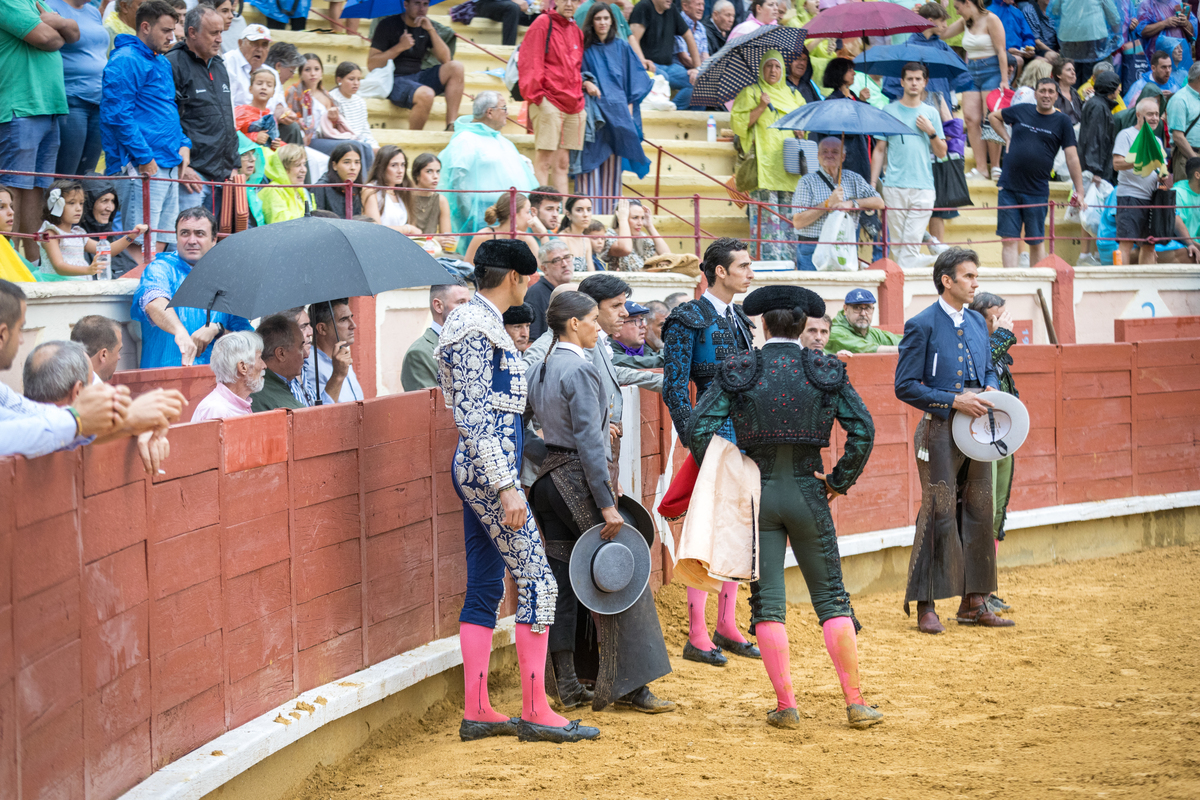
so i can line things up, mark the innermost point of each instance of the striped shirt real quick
(354, 112)
(814, 189)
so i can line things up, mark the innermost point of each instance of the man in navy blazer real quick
(945, 367)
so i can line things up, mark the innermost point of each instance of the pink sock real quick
(476, 642)
(727, 612)
(842, 645)
(997, 548)
(773, 643)
(531, 657)
(697, 625)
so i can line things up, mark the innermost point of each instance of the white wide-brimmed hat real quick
(996, 434)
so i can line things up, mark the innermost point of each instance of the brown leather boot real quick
(974, 611)
(927, 619)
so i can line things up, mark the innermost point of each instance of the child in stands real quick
(68, 257)
(256, 120)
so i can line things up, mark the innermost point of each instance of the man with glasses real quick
(852, 333)
(629, 343)
(558, 267)
(479, 159)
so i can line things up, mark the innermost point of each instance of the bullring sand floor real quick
(1094, 694)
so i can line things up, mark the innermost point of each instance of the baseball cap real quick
(858, 297)
(256, 33)
(635, 309)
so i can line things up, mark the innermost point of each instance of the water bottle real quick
(103, 255)
(712, 128)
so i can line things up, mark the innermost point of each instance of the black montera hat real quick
(519, 315)
(506, 254)
(770, 298)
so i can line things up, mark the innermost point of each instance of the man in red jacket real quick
(552, 81)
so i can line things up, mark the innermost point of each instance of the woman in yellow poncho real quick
(756, 108)
(287, 166)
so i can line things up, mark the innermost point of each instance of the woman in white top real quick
(987, 61)
(381, 201)
(574, 223)
(353, 107)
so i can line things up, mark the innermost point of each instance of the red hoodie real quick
(557, 75)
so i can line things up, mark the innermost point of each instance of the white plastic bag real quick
(839, 227)
(378, 83)
(659, 98)
(1094, 197)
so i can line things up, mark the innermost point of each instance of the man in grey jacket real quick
(418, 370)
(610, 293)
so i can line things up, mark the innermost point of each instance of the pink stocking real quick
(997, 548)
(697, 625)
(842, 645)
(531, 657)
(773, 643)
(476, 641)
(727, 612)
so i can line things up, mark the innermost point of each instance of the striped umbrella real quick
(735, 66)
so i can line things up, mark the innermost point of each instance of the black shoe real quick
(713, 657)
(644, 700)
(470, 730)
(743, 649)
(571, 693)
(571, 732)
(997, 605)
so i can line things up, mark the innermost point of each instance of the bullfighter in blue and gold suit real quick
(697, 337)
(482, 378)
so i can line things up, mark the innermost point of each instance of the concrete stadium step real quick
(336, 48)
(713, 199)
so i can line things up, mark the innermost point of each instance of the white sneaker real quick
(935, 247)
(976, 175)
(1087, 260)
(1024, 262)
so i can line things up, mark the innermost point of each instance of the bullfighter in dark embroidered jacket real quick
(697, 337)
(946, 368)
(482, 378)
(782, 401)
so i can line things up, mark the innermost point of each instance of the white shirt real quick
(956, 316)
(782, 340)
(239, 75)
(574, 348)
(602, 339)
(491, 305)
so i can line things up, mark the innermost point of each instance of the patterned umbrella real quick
(735, 66)
(854, 20)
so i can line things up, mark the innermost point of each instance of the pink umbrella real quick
(854, 20)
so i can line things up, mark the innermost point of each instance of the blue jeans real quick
(29, 144)
(164, 204)
(79, 138)
(804, 254)
(676, 75)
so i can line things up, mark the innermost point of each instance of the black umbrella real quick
(275, 267)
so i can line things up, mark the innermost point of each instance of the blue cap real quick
(634, 309)
(858, 297)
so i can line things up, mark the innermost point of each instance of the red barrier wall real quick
(142, 617)
(1141, 330)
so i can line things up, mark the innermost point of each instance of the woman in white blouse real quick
(381, 200)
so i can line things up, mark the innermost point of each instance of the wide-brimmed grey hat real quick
(608, 576)
(996, 435)
(636, 515)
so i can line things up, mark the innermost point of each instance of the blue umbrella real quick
(736, 65)
(889, 60)
(842, 115)
(372, 9)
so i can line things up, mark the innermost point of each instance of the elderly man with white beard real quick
(238, 366)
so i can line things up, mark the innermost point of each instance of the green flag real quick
(1146, 153)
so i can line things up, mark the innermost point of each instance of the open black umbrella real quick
(275, 267)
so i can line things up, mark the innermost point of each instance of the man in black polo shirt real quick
(654, 24)
(1038, 133)
(404, 39)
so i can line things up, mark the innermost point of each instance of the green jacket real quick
(419, 370)
(843, 336)
(275, 394)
